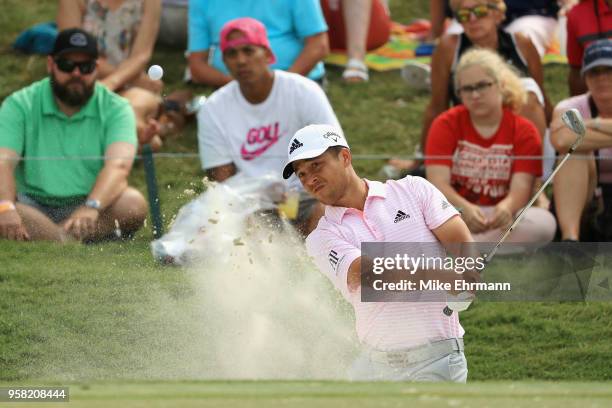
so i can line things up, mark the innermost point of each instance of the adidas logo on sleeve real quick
(400, 216)
(295, 144)
(333, 260)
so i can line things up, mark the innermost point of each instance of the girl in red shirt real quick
(481, 152)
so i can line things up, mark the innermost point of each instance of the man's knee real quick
(131, 207)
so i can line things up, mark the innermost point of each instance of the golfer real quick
(403, 341)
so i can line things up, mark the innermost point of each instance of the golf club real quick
(574, 121)
(155, 73)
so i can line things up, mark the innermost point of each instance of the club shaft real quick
(520, 216)
(151, 179)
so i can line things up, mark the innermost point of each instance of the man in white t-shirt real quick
(405, 341)
(244, 127)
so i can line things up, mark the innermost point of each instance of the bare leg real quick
(146, 107)
(130, 211)
(356, 15)
(534, 112)
(39, 226)
(357, 21)
(573, 188)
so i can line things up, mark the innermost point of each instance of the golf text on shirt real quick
(258, 140)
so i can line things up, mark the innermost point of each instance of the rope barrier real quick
(355, 156)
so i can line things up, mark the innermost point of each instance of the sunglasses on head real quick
(67, 66)
(480, 11)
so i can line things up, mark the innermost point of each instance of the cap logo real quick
(333, 136)
(295, 144)
(78, 40)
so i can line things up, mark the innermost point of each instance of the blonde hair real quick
(513, 93)
(499, 4)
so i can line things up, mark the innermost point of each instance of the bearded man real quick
(67, 144)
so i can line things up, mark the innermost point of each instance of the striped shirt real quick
(336, 243)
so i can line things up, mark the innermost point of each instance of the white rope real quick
(355, 156)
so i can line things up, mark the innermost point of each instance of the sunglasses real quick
(479, 87)
(67, 66)
(463, 14)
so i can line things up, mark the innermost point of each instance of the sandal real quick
(355, 71)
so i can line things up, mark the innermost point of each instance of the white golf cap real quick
(312, 141)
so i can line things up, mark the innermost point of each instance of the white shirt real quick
(255, 137)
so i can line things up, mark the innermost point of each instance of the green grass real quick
(335, 394)
(82, 313)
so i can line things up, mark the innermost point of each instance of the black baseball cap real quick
(597, 54)
(75, 40)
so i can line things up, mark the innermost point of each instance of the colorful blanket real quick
(407, 43)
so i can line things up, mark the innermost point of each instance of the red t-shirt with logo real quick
(481, 168)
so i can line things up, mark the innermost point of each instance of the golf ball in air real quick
(155, 72)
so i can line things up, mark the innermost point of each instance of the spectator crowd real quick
(485, 130)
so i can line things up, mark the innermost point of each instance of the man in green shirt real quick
(67, 145)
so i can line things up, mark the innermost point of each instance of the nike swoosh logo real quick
(250, 155)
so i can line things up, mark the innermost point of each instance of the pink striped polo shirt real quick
(338, 236)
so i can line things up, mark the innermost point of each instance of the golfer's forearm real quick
(110, 184)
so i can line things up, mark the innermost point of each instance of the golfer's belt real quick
(417, 354)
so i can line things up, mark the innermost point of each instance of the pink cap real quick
(254, 34)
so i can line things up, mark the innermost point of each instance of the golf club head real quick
(573, 120)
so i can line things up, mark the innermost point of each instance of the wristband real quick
(6, 205)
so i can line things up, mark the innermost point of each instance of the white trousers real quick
(451, 367)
